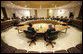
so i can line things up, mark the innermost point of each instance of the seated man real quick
(22, 19)
(51, 34)
(49, 30)
(31, 34)
(30, 29)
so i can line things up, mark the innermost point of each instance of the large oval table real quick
(41, 26)
(43, 21)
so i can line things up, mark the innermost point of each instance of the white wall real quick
(76, 11)
(51, 12)
(42, 12)
(62, 12)
(32, 12)
(1, 14)
(9, 12)
(18, 12)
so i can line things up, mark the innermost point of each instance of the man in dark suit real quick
(30, 28)
(31, 34)
(49, 30)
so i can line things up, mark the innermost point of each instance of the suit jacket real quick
(49, 34)
(49, 30)
(31, 29)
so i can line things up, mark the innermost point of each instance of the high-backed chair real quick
(3, 45)
(50, 37)
(47, 52)
(61, 51)
(15, 23)
(79, 46)
(32, 36)
(20, 51)
(74, 50)
(33, 52)
(64, 24)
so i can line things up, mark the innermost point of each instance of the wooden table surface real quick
(43, 21)
(42, 27)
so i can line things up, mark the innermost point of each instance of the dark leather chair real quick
(32, 36)
(15, 23)
(64, 24)
(50, 37)
(10, 49)
(79, 46)
(33, 52)
(73, 50)
(20, 51)
(20, 25)
(61, 51)
(3, 46)
(47, 52)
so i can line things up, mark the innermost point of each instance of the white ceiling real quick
(12, 5)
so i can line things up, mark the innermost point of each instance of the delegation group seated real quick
(23, 19)
(36, 18)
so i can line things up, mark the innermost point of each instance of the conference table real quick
(42, 27)
(42, 21)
